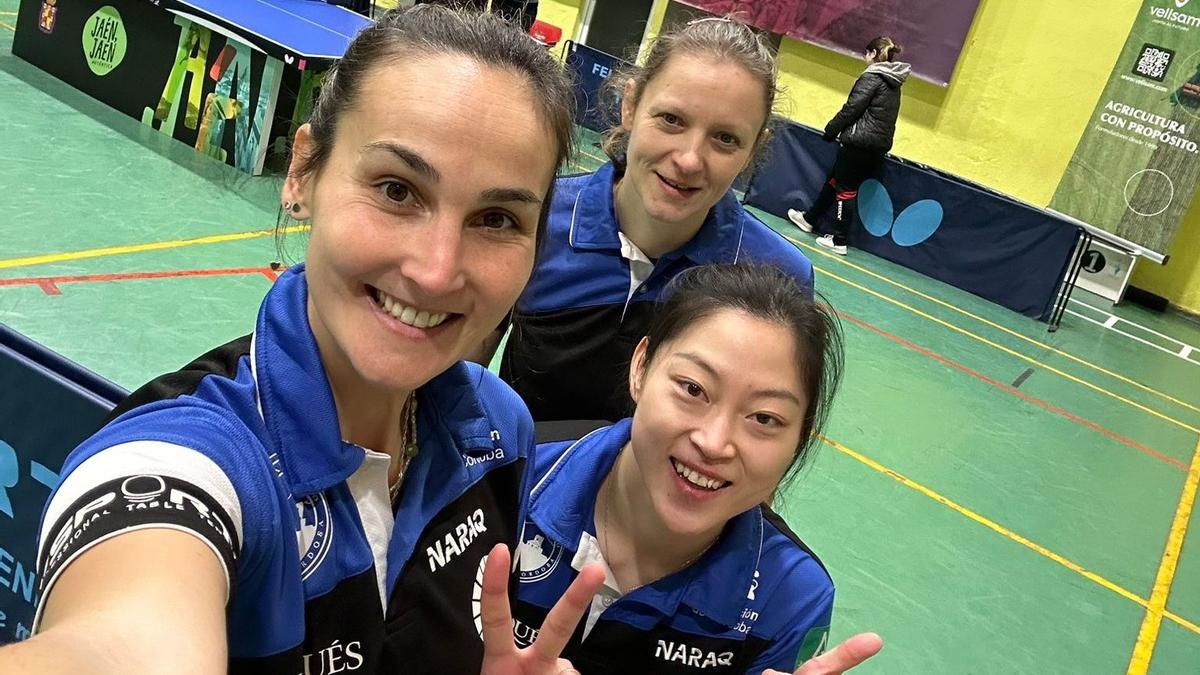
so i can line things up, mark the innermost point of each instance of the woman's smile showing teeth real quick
(696, 478)
(680, 188)
(410, 316)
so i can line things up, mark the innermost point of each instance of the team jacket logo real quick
(314, 534)
(77, 526)
(477, 597)
(484, 454)
(523, 632)
(455, 542)
(749, 616)
(131, 501)
(335, 658)
(678, 652)
(472, 460)
(538, 558)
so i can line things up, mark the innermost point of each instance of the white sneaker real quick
(797, 218)
(827, 242)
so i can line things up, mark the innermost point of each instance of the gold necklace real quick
(606, 549)
(408, 442)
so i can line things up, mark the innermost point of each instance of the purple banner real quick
(932, 32)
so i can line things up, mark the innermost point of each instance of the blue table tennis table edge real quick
(213, 21)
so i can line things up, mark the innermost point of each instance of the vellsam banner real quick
(931, 31)
(1135, 169)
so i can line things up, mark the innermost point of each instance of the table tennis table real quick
(215, 74)
(297, 32)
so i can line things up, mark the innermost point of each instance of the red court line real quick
(50, 284)
(1016, 392)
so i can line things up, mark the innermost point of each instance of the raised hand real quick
(841, 658)
(500, 653)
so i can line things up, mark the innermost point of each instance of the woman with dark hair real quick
(731, 388)
(322, 495)
(692, 118)
(864, 128)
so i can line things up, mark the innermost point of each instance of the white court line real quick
(1180, 354)
(1113, 319)
(305, 19)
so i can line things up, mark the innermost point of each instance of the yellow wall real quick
(562, 13)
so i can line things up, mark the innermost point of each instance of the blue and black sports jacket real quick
(759, 598)
(242, 449)
(586, 306)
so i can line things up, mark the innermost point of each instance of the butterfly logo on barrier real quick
(913, 226)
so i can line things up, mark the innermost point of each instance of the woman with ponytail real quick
(865, 127)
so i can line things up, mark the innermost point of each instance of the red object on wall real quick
(547, 34)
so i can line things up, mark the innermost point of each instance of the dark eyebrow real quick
(764, 393)
(409, 157)
(418, 164)
(510, 195)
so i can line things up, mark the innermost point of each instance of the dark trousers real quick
(852, 167)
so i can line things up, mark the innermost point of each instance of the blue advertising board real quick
(47, 406)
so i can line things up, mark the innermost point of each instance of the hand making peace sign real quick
(500, 653)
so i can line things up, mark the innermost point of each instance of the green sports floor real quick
(991, 498)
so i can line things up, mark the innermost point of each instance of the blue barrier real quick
(47, 406)
(590, 67)
(942, 226)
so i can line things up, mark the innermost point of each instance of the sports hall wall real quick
(1028, 78)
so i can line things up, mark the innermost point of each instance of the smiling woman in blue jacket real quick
(321, 495)
(731, 388)
(692, 118)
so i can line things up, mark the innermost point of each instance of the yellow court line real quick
(1004, 531)
(1143, 650)
(12, 28)
(1027, 359)
(602, 160)
(1000, 327)
(138, 248)
(177, 243)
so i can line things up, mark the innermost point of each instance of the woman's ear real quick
(296, 187)
(637, 370)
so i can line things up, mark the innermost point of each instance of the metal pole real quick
(1069, 283)
(1114, 240)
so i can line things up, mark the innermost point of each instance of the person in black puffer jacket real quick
(864, 127)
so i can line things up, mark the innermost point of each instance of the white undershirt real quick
(640, 267)
(589, 552)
